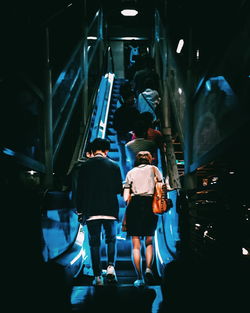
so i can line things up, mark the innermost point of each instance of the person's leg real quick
(149, 251)
(149, 255)
(94, 233)
(110, 228)
(136, 255)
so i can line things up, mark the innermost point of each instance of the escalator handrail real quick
(103, 104)
(85, 134)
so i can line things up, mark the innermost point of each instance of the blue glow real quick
(82, 254)
(8, 152)
(61, 77)
(179, 162)
(208, 85)
(157, 248)
(199, 84)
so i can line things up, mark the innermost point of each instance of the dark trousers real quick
(94, 231)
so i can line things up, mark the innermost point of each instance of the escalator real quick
(57, 207)
(214, 230)
(124, 266)
(76, 260)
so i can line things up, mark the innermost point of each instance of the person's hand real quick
(81, 218)
(124, 227)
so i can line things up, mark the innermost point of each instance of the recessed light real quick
(129, 12)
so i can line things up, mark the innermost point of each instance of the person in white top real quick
(148, 100)
(141, 222)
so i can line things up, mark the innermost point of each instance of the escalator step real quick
(112, 138)
(114, 100)
(113, 106)
(110, 132)
(114, 156)
(113, 147)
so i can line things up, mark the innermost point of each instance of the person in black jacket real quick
(125, 118)
(99, 183)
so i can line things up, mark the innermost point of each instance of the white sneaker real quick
(139, 283)
(111, 275)
(98, 281)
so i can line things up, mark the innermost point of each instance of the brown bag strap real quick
(155, 176)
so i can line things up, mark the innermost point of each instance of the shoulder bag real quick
(160, 203)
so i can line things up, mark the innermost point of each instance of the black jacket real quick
(99, 182)
(125, 118)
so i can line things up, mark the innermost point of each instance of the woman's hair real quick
(143, 157)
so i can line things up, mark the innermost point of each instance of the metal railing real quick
(98, 109)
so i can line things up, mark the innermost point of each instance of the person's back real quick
(124, 121)
(152, 133)
(126, 115)
(139, 144)
(99, 183)
(149, 99)
(125, 118)
(125, 92)
(140, 76)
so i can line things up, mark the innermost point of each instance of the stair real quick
(110, 132)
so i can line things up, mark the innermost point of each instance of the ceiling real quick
(207, 19)
(138, 26)
(211, 23)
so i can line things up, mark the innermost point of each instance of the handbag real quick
(160, 202)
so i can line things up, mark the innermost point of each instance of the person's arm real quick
(158, 174)
(124, 222)
(127, 189)
(78, 199)
(166, 182)
(126, 194)
(119, 181)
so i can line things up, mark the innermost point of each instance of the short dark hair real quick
(102, 144)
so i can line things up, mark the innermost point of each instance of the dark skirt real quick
(140, 219)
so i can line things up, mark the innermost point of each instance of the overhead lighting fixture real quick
(129, 12)
(180, 46)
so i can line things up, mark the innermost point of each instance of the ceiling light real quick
(180, 45)
(129, 12)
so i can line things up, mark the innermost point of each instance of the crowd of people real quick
(99, 180)
(137, 118)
